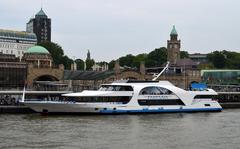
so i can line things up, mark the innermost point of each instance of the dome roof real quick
(37, 49)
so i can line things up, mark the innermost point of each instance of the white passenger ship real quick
(131, 96)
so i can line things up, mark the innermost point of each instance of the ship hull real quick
(103, 108)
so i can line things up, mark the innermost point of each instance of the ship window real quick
(154, 90)
(144, 102)
(203, 97)
(109, 99)
(115, 88)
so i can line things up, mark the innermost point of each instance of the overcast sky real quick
(114, 28)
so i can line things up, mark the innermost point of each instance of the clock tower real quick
(173, 47)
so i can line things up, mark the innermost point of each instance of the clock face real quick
(170, 46)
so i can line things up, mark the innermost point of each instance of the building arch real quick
(43, 74)
(46, 78)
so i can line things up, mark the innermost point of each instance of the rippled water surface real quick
(186, 131)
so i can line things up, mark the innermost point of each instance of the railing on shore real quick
(7, 100)
(225, 88)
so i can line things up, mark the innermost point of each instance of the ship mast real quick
(154, 79)
(23, 95)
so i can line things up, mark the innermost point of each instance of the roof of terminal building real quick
(197, 55)
(38, 49)
(86, 75)
(174, 31)
(220, 71)
(17, 34)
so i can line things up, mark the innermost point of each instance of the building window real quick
(7, 51)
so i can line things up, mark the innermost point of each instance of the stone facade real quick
(49, 74)
(184, 79)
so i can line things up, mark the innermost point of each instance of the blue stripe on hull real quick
(108, 111)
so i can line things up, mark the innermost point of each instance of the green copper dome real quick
(173, 32)
(37, 49)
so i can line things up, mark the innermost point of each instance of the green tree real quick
(66, 61)
(80, 64)
(126, 60)
(138, 59)
(232, 59)
(184, 54)
(57, 54)
(157, 57)
(55, 50)
(89, 64)
(111, 64)
(217, 58)
(102, 63)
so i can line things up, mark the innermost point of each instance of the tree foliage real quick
(55, 50)
(138, 59)
(111, 64)
(66, 61)
(57, 54)
(224, 59)
(217, 58)
(184, 54)
(157, 57)
(126, 60)
(89, 64)
(80, 64)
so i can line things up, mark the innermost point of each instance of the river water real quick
(219, 130)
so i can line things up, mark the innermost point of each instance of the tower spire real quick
(174, 46)
(174, 31)
(88, 55)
